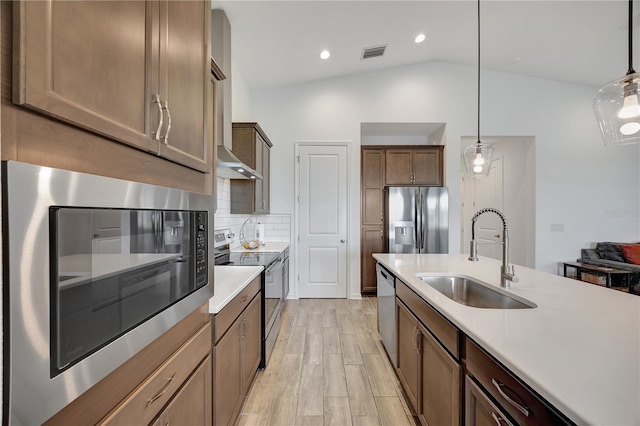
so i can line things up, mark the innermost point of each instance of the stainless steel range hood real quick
(230, 166)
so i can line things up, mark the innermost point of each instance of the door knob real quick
(342, 241)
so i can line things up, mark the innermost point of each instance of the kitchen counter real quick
(579, 348)
(265, 248)
(228, 282)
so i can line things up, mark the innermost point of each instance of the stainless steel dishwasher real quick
(387, 311)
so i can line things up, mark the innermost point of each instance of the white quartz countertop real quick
(579, 348)
(228, 282)
(265, 248)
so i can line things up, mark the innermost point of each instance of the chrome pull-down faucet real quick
(507, 272)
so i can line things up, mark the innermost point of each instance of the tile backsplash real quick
(277, 227)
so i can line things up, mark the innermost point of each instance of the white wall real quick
(578, 179)
(394, 140)
(241, 96)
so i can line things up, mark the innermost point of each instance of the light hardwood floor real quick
(328, 367)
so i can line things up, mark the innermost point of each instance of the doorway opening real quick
(510, 187)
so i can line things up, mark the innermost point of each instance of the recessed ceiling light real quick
(325, 54)
(420, 38)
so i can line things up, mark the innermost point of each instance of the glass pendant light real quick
(478, 157)
(616, 104)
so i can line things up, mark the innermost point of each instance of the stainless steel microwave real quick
(97, 269)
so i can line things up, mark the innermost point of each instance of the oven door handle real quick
(274, 265)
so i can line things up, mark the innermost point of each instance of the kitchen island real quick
(579, 349)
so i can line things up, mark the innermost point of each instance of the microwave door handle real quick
(161, 233)
(153, 228)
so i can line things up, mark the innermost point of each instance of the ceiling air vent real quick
(372, 52)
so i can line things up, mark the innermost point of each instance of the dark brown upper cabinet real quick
(414, 166)
(252, 146)
(134, 71)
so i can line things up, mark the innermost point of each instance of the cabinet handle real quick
(156, 100)
(524, 410)
(498, 419)
(244, 298)
(413, 336)
(163, 391)
(165, 139)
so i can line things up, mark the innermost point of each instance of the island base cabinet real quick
(512, 396)
(440, 393)
(408, 361)
(429, 374)
(479, 409)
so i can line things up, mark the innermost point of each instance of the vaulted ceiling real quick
(276, 43)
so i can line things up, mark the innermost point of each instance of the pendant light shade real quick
(616, 105)
(478, 157)
(618, 111)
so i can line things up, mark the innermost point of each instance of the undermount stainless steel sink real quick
(470, 292)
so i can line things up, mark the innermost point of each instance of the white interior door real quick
(488, 193)
(322, 223)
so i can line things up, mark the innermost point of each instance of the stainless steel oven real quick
(97, 269)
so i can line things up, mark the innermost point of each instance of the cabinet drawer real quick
(445, 332)
(148, 399)
(479, 409)
(223, 319)
(518, 401)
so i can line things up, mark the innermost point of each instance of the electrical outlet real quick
(557, 227)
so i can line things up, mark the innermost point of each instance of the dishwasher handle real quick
(384, 273)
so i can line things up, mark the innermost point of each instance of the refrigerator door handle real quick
(417, 220)
(422, 219)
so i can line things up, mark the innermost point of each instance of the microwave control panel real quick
(201, 248)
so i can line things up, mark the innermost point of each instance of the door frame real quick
(296, 216)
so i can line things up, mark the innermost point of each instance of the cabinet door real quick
(407, 370)
(185, 67)
(426, 165)
(479, 409)
(372, 242)
(90, 63)
(227, 395)
(398, 167)
(251, 339)
(372, 206)
(441, 387)
(259, 154)
(372, 168)
(192, 404)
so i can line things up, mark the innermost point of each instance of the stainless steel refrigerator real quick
(417, 219)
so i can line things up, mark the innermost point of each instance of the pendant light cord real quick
(479, 71)
(631, 70)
